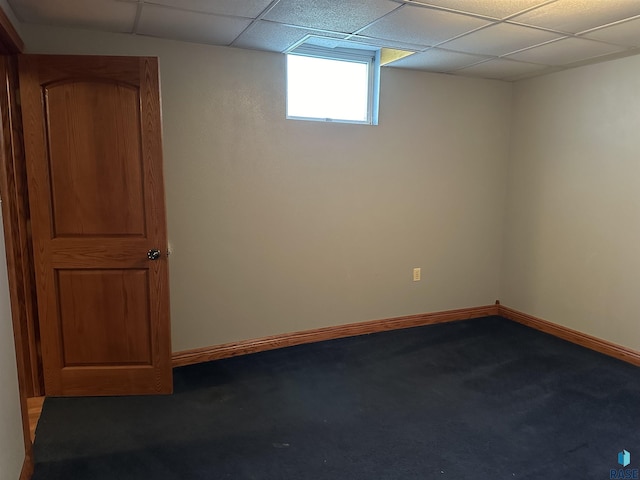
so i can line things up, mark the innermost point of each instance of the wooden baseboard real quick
(216, 352)
(588, 341)
(27, 468)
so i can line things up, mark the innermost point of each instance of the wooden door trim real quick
(15, 215)
(17, 256)
(10, 41)
(13, 185)
(27, 467)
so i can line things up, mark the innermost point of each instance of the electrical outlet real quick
(416, 274)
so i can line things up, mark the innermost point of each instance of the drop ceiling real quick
(500, 39)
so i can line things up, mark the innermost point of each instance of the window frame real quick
(368, 56)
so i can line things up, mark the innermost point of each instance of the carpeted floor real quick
(483, 399)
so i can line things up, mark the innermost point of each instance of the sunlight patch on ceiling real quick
(388, 55)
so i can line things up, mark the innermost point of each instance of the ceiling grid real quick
(501, 39)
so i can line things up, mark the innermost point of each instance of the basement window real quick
(333, 84)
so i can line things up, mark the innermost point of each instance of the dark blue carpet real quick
(478, 399)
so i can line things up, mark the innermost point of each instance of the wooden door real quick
(94, 166)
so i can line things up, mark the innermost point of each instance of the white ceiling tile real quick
(438, 60)
(114, 16)
(500, 68)
(335, 15)
(245, 8)
(626, 33)
(386, 43)
(573, 16)
(492, 8)
(189, 26)
(500, 39)
(422, 26)
(273, 36)
(603, 27)
(565, 51)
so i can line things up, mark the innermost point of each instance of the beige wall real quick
(11, 438)
(281, 225)
(572, 231)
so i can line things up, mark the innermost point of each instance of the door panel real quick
(103, 320)
(101, 122)
(94, 166)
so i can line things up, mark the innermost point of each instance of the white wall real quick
(11, 438)
(572, 231)
(281, 225)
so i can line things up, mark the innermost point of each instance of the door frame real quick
(15, 212)
(15, 209)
